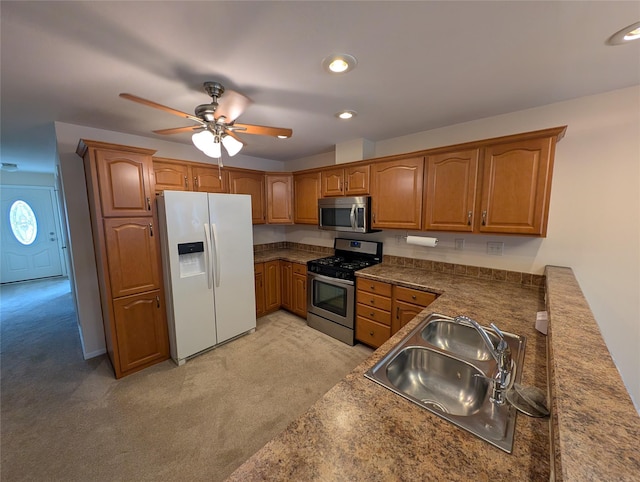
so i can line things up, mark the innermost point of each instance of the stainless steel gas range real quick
(331, 294)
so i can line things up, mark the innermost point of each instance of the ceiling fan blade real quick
(155, 105)
(230, 133)
(231, 104)
(177, 130)
(262, 130)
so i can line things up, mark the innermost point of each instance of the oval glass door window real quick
(23, 222)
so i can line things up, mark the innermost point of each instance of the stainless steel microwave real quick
(350, 214)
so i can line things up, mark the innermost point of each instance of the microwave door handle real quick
(352, 216)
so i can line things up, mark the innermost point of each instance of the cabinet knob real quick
(151, 229)
(148, 203)
(397, 312)
(373, 287)
(373, 301)
(186, 182)
(469, 214)
(484, 217)
(158, 301)
(413, 297)
(371, 333)
(372, 314)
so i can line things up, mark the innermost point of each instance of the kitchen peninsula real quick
(361, 431)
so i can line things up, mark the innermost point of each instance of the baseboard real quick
(94, 354)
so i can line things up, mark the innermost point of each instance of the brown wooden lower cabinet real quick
(299, 286)
(259, 283)
(281, 284)
(373, 312)
(272, 290)
(141, 331)
(382, 309)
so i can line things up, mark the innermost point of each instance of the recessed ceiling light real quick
(283, 137)
(627, 34)
(346, 114)
(339, 63)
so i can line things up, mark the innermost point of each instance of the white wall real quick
(319, 160)
(594, 219)
(27, 178)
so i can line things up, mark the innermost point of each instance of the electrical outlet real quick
(495, 248)
(459, 244)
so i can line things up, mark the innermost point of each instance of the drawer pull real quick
(373, 287)
(373, 301)
(371, 333)
(413, 297)
(397, 312)
(372, 314)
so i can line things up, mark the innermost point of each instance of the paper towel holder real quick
(425, 241)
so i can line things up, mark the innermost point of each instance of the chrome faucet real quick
(501, 354)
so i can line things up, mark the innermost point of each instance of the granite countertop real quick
(596, 428)
(293, 255)
(362, 431)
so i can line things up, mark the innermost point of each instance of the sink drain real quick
(433, 404)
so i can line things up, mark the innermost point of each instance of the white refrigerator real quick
(207, 250)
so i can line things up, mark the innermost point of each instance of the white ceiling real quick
(421, 65)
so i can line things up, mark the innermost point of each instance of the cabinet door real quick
(210, 179)
(306, 192)
(279, 199)
(333, 182)
(252, 184)
(286, 279)
(141, 330)
(272, 285)
(300, 290)
(516, 187)
(132, 255)
(396, 194)
(259, 282)
(450, 191)
(123, 179)
(356, 180)
(403, 313)
(172, 176)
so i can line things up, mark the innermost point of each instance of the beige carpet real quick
(66, 419)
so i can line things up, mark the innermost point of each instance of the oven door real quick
(331, 298)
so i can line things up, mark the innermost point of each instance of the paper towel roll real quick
(421, 241)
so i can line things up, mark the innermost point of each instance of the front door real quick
(29, 234)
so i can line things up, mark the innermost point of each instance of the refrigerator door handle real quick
(207, 254)
(214, 235)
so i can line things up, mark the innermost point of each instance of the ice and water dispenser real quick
(191, 259)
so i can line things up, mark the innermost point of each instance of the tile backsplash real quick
(516, 277)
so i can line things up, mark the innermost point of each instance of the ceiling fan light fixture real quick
(231, 144)
(627, 34)
(346, 114)
(203, 139)
(339, 63)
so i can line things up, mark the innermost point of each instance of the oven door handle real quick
(329, 279)
(352, 216)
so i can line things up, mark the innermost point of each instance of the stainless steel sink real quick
(459, 339)
(444, 367)
(439, 381)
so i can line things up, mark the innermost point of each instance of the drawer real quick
(417, 297)
(377, 287)
(370, 299)
(372, 333)
(374, 314)
(299, 268)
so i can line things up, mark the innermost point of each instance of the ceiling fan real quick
(216, 122)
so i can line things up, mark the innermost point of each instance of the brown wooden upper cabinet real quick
(516, 187)
(210, 179)
(279, 199)
(396, 194)
(306, 192)
(450, 191)
(124, 183)
(170, 175)
(251, 183)
(347, 181)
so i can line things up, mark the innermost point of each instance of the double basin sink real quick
(445, 366)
